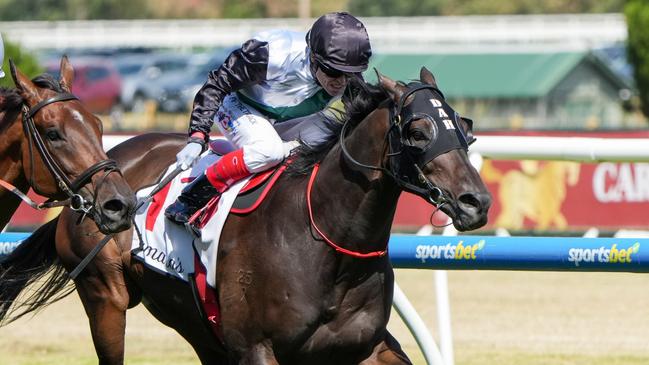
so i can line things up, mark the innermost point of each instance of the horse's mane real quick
(11, 100)
(359, 100)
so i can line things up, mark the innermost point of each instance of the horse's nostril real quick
(469, 199)
(114, 205)
(475, 200)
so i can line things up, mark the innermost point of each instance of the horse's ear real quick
(427, 77)
(392, 87)
(67, 74)
(24, 85)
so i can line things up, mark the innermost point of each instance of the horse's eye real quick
(53, 135)
(417, 135)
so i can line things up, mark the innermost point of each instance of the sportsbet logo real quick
(603, 254)
(459, 251)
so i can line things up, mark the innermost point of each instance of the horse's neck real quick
(358, 203)
(11, 170)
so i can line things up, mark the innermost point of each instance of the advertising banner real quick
(555, 195)
(527, 195)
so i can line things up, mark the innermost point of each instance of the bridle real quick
(415, 158)
(71, 188)
(401, 153)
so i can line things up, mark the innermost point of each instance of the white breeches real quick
(263, 147)
(246, 128)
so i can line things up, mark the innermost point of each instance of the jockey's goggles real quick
(330, 71)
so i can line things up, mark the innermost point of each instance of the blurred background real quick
(552, 67)
(517, 67)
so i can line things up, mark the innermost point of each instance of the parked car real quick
(141, 76)
(96, 82)
(178, 91)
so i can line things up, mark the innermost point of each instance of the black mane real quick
(9, 99)
(47, 81)
(359, 100)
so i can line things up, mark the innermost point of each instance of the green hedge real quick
(637, 18)
(26, 62)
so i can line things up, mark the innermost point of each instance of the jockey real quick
(2, 57)
(273, 78)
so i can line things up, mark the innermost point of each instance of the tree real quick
(480, 7)
(637, 19)
(25, 61)
(395, 8)
(72, 9)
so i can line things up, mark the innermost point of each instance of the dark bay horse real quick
(52, 143)
(288, 292)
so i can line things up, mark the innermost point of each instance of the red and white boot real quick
(215, 180)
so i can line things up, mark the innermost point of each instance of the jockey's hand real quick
(189, 155)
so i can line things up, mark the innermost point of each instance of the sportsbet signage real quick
(520, 253)
(603, 254)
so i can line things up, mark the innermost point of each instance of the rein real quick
(331, 243)
(433, 193)
(70, 188)
(395, 139)
(95, 250)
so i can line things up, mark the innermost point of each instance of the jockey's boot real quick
(217, 178)
(193, 197)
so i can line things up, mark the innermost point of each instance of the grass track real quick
(504, 318)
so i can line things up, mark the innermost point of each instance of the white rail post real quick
(417, 327)
(414, 322)
(444, 308)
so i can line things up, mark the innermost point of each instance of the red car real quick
(96, 82)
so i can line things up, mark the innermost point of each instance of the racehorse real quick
(52, 143)
(303, 279)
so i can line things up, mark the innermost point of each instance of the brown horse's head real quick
(433, 143)
(72, 137)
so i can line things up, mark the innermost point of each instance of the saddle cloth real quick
(168, 247)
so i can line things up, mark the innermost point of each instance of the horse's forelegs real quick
(105, 300)
(387, 352)
(259, 354)
(101, 285)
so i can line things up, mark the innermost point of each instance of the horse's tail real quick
(35, 259)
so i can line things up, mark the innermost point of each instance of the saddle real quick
(171, 249)
(250, 196)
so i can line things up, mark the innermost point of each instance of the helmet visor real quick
(330, 71)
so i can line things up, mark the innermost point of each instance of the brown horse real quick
(285, 294)
(51, 143)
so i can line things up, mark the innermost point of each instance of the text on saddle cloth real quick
(168, 247)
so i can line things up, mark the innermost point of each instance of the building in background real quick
(531, 90)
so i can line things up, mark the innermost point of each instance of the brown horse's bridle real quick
(397, 149)
(71, 188)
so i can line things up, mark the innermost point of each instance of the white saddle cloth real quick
(168, 247)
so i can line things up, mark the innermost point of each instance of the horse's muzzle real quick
(115, 214)
(470, 211)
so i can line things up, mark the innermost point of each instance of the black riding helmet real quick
(340, 41)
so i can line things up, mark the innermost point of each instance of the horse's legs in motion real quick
(387, 352)
(102, 290)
